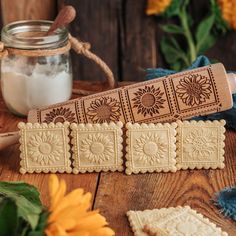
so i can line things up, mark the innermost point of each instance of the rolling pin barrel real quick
(8, 139)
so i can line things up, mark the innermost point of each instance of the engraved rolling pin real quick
(180, 96)
(183, 95)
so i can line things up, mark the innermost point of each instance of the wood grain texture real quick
(96, 23)
(9, 163)
(119, 32)
(118, 193)
(27, 10)
(137, 39)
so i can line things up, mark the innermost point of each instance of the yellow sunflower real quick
(69, 214)
(228, 9)
(155, 7)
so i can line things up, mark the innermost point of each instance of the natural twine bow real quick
(78, 46)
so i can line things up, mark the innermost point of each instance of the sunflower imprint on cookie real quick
(45, 148)
(60, 115)
(200, 143)
(150, 148)
(148, 100)
(97, 148)
(104, 109)
(194, 89)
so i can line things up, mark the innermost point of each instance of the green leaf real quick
(203, 31)
(173, 9)
(171, 28)
(8, 217)
(39, 231)
(26, 198)
(209, 42)
(220, 24)
(171, 50)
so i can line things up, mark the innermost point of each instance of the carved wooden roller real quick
(183, 95)
(176, 97)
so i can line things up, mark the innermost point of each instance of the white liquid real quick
(22, 93)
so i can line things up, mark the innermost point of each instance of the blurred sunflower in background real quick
(157, 7)
(186, 37)
(69, 215)
(228, 10)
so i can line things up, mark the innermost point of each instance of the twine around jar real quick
(78, 46)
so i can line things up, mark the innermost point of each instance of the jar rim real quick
(29, 34)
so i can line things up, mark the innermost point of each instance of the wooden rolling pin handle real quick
(8, 139)
(232, 82)
(66, 16)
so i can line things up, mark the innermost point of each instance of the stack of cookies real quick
(179, 221)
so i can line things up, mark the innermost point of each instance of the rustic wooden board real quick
(9, 163)
(96, 23)
(118, 193)
(120, 33)
(27, 10)
(137, 39)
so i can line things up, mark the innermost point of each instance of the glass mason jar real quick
(29, 82)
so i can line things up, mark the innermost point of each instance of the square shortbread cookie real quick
(150, 147)
(185, 222)
(97, 147)
(138, 219)
(200, 144)
(44, 147)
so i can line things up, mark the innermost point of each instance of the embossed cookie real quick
(200, 144)
(150, 147)
(183, 221)
(44, 147)
(138, 219)
(97, 147)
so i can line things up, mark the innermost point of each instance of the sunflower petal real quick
(73, 211)
(58, 195)
(53, 185)
(55, 230)
(71, 199)
(67, 224)
(91, 222)
(105, 231)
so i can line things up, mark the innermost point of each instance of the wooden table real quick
(116, 193)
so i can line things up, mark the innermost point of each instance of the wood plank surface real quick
(27, 10)
(137, 40)
(96, 23)
(118, 193)
(9, 163)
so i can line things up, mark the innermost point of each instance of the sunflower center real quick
(187, 229)
(194, 89)
(96, 148)
(104, 112)
(59, 119)
(148, 100)
(45, 148)
(150, 148)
